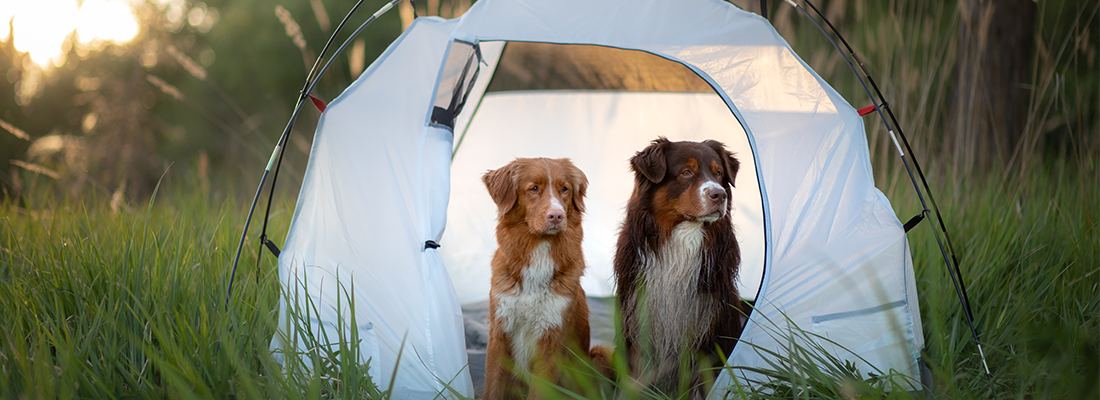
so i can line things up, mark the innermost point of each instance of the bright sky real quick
(41, 26)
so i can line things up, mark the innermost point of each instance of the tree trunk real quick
(996, 41)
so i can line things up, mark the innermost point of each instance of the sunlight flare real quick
(42, 28)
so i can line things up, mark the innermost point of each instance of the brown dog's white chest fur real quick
(530, 307)
(678, 317)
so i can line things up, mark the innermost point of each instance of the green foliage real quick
(99, 302)
(221, 90)
(1031, 260)
(910, 48)
(804, 368)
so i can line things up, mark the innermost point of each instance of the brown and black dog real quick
(675, 266)
(537, 309)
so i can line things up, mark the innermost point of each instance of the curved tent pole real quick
(920, 172)
(948, 252)
(280, 146)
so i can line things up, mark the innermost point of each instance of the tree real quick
(996, 42)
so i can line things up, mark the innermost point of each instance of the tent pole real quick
(280, 148)
(894, 121)
(953, 268)
(251, 209)
(263, 179)
(305, 93)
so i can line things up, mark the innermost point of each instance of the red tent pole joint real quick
(320, 104)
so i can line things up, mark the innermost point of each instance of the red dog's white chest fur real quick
(538, 312)
(530, 307)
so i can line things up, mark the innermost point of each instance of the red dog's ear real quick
(579, 182)
(650, 162)
(501, 184)
(731, 164)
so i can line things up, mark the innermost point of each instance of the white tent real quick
(397, 158)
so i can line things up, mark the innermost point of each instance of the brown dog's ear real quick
(731, 163)
(501, 184)
(650, 162)
(732, 167)
(579, 182)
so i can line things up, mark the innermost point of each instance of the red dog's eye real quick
(534, 189)
(564, 189)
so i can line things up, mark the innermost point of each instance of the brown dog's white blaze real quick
(710, 202)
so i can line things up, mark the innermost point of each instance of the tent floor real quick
(476, 318)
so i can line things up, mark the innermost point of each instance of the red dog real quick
(537, 309)
(675, 266)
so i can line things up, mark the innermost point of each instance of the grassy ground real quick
(100, 302)
(1031, 259)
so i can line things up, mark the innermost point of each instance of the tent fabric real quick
(829, 253)
(602, 132)
(375, 190)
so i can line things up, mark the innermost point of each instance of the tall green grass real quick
(1031, 260)
(100, 302)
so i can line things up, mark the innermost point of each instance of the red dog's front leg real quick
(500, 383)
(544, 368)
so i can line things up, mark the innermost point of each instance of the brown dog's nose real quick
(555, 216)
(715, 193)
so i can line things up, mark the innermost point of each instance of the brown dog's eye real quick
(687, 173)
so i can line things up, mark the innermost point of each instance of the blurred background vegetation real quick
(207, 87)
(200, 91)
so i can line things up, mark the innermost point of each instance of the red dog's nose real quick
(555, 216)
(715, 193)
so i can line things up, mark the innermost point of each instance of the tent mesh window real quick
(527, 66)
(459, 74)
